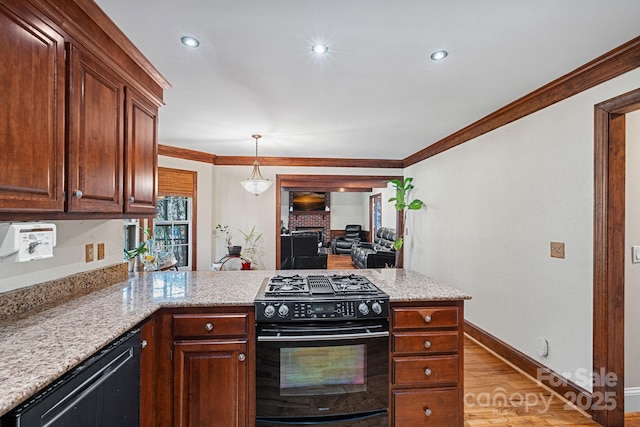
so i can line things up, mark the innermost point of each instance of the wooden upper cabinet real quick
(141, 159)
(95, 151)
(32, 79)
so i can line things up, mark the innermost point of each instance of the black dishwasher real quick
(104, 391)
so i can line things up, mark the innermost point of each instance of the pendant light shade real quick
(256, 183)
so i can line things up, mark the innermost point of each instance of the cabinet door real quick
(96, 134)
(141, 160)
(210, 383)
(32, 79)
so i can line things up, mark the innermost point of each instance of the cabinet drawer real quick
(422, 371)
(424, 342)
(425, 317)
(425, 408)
(210, 325)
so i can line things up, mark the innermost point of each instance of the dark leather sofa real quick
(342, 244)
(379, 254)
(301, 250)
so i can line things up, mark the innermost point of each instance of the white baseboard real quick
(632, 399)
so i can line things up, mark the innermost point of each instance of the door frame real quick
(373, 199)
(609, 254)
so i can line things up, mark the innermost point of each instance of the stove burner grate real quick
(285, 285)
(352, 284)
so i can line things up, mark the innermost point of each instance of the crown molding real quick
(612, 64)
(183, 153)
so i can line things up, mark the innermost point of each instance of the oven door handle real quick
(333, 337)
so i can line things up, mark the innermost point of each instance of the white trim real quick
(632, 399)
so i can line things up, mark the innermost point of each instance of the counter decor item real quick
(253, 249)
(402, 204)
(136, 253)
(227, 233)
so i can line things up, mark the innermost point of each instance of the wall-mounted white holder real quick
(26, 241)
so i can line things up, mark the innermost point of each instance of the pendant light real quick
(256, 183)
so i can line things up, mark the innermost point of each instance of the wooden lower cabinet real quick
(147, 373)
(210, 380)
(206, 367)
(426, 364)
(423, 407)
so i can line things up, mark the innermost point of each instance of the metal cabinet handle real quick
(427, 318)
(77, 194)
(427, 344)
(428, 412)
(209, 326)
(143, 344)
(427, 372)
(132, 199)
(241, 357)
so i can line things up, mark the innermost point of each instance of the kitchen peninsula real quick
(39, 348)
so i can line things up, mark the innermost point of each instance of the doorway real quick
(326, 183)
(609, 252)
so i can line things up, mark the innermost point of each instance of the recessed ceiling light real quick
(319, 49)
(189, 41)
(439, 54)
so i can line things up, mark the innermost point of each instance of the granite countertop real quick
(38, 349)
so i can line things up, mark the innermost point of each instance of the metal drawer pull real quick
(143, 344)
(427, 318)
(132, 199)
(78, 194)
(209, 326)
(427, 344)
(428, 412)
(427, 372)
(241, 357)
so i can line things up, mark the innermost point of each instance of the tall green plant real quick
(402, 204)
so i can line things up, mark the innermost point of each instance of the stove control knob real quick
(283, 310)
(376, 307)
(269, 311)
(363, 308)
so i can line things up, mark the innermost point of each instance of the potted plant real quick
(228, 238)
(131, 255)
(402, 204)
(253, 251)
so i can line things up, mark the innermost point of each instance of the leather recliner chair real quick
(379, 254)
(342, 244)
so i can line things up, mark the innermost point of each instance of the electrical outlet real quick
(557, 249)
(88, 252)
(100, 251)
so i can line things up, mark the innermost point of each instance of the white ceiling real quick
(376, 94)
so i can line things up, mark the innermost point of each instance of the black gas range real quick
(320, 297)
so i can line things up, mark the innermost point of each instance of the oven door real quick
(335, 370)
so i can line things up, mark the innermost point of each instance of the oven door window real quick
(308, 371)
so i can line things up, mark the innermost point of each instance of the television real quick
(308, 201)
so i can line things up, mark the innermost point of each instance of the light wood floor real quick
(496, 394)
(339, 262)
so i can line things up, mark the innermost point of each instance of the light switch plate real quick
(88, 252)
(635, 254)
(557, 249)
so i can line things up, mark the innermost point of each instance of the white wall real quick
(632, 271)
(241, 210)
(205, 225)
(347, 208)
(389, 215)
(68, 255)
(493, 206)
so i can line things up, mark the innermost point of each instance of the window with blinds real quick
(174, 227)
